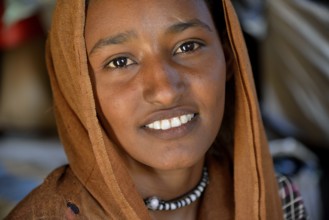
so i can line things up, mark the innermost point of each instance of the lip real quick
(175, 132)
(167, 114)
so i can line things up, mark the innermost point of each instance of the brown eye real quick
(187, 47)
(120, 62)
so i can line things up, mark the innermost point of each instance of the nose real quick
(163, 84)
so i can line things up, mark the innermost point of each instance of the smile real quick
(171, 122)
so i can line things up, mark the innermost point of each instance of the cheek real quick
(218, 88)
(212, 81)
(211, 91)
(115, 105)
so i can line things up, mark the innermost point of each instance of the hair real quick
(223, 144)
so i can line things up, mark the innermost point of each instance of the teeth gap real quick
(170, 123)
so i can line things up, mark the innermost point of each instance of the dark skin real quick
(160, 81)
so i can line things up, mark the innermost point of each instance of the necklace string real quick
(154, 203)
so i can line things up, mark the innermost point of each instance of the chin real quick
(175, 162)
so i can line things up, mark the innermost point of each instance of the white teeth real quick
(156, 125)
(175, 122)
(165, 124)
(170, 123)
(183, 119)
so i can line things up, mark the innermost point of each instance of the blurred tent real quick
(25, 101)
(288, 42)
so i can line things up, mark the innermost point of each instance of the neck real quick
(187, 213)
(168, 185)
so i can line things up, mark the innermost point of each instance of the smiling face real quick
(160, 76)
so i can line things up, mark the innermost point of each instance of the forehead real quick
(129, 2)
(106, 17)
(132, 10)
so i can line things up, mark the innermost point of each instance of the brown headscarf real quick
(97, 181)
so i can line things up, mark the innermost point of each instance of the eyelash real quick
(120, 62)
(183, 48)
(188, 49)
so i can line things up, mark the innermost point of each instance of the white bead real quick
(154, 203)
(173, 206)
(197, 192)
(193, 197)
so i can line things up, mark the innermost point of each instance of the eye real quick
(120, 62)
(188, 47)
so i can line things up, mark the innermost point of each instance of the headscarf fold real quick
(255, 188)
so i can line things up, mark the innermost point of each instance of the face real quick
(160, 75)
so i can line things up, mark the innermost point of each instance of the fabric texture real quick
(96, 182)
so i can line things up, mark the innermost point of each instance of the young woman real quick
(158, 115)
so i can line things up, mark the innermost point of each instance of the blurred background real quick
(288, 43)
(29, 145)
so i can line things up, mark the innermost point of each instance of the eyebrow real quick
(182, 26)
(129, 35)
(116, 39)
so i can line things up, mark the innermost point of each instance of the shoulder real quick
(292, 203)
(44, 202)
